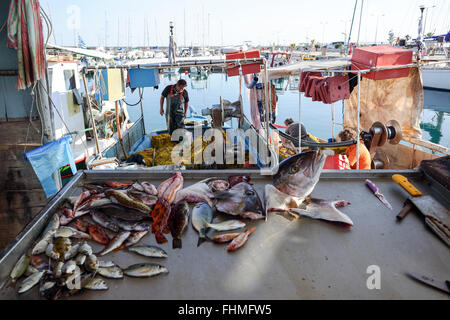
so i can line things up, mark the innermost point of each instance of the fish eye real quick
(295, 169)
(249, 193)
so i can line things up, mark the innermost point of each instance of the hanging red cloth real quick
(26, 36)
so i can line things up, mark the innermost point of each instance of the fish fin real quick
(324, 210)
(177, 244)
(201, 241)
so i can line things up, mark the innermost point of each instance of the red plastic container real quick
(382, 56)
(246, 69)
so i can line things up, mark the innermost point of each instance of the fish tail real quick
(201, 241)
(177, 244)
(251, 230)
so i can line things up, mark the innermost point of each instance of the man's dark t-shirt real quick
(185, 97)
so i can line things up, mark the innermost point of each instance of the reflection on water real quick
(206, 90)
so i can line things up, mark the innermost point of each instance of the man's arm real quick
(186, 107)
(162, 105)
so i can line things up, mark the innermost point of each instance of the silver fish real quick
(96, 284)
(50, 252)
(115, 243)
(58, 269)
(30, 270)
(106, 264)
(67, 232)
(241, 200)
(92, 263)
(123, 213)
(105, 221)
(135, 238)
(131, 226)
(69, 267)
(293, 184)
(145, 270)
(47, 236)
(227, 225)
(72, 252)
(85, 249)
(20, 268)
(111, 272)
(202, 215)
(81, 259)
(30, 282)
(149, 251)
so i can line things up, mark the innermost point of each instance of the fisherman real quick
(293, 131)
(177, 105)
(365, 161)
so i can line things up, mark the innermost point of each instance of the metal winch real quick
(378, 135)
(225, 111)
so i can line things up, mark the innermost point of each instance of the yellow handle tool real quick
(405, 184)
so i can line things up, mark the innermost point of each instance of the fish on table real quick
(240, 240)
(145, 270)
(241, 200)
(178, 223)
(202, 216)
(116, 242)
(149, 251)
(167, 192)
(293, 185)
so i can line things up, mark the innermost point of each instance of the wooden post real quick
(142, 110)
(99, 154)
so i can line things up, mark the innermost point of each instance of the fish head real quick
(240, 199)
(298, 175)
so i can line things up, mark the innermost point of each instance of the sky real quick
(229, 23)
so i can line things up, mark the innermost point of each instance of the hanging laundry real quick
(25, 35)
(143, 78)
(111, 85)
(47, 159)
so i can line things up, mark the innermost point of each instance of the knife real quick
(378, 194)
(438, 284)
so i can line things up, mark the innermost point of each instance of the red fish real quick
(240, 241)
(81, 225)
(160, 214)
(115, 184)
(99, 234)
(235, 180)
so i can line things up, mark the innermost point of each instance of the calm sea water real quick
(315, 115)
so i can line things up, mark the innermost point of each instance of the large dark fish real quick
(178, 223)
(293, 184)
(241, 200)
(123, 213)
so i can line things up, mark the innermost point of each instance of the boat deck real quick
(300, 259)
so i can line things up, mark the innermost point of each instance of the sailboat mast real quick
(351, 27)
(360, 22)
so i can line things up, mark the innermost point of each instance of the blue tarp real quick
(47, 159)
(143, 78)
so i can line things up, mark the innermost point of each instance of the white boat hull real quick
(438, 79)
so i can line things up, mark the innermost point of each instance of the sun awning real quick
(296, 69)
(84, 52)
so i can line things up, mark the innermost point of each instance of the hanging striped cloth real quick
(26, 36)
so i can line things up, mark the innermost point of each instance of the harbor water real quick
(206, 91)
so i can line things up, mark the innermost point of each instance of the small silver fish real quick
(227, 225)
(59, 269)
(81, 259)
(149, 251)
(85, 249)
(115, 243)
(145, 270)
(106, 264)
(50, 252)
(20, 268)
(69, 267)
(96, 284)
(92, 263)
(47, 236)
(30, 282)
(111, 272)
(135, 238)
(72, 252)
(30, 270)
(67, 232)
